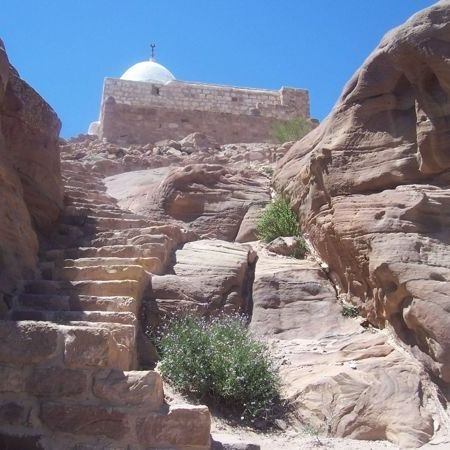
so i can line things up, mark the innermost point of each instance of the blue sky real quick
(64, 48)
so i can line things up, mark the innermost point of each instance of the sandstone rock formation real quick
(106, 158)
(209, 200)
(210, 277)
(370, 185)
(31, 129)
(341, 378)
(30, 179)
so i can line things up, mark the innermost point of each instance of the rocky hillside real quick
(132, 235)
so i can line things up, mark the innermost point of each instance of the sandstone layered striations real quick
(30, 178)
(210, 277)
(210, 200)
(341, 378)
(370, 185)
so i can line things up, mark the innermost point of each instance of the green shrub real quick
(277, 220)
(350, 311)
(291, 130)
(219, 360)
(267, 170)
(301, 249)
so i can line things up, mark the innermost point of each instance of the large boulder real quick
(370, 186)
(209, 277)
(210, 200)
(30, 178)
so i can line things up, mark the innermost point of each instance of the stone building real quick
(147, 104)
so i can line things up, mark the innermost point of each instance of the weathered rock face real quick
(341, 378)
(209, 277)
(30, 179)
(293, 299)
(31, 129)
(370, 185)
(208, 199)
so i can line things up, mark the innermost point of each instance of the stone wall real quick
(140, 112)
(62, 387)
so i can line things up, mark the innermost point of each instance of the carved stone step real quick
(125, 318)
(40, 302)
(102, 273)
(128, 288)
(73, 212)
(81, 345)
(71, 182)
(152, 265)
(129, 236)
(94, 213)
(122, 251)
(75, 193)
(90, 203)
(113, 223)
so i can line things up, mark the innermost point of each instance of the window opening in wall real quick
(155, 90)
(234, 99)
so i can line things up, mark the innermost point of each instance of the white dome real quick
(149, 71)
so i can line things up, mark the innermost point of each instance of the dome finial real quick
(152, 46)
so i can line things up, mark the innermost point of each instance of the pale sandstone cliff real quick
(370, 186)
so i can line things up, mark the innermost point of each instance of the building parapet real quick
(183, 96)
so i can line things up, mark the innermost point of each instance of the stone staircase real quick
(73, 379)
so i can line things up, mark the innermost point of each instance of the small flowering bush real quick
(220, 360)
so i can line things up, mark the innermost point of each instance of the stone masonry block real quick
(12, 379)
(86, 347)
(142, 388)
(14, 413)
(184, 426)
(82, 419)
(56, 382)
(27, 342)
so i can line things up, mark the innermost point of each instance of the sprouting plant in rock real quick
(278, 220)
(350, 311)
(313, 431)
(291, 130)
(301, 249)
(267, 170)
(218, 360)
